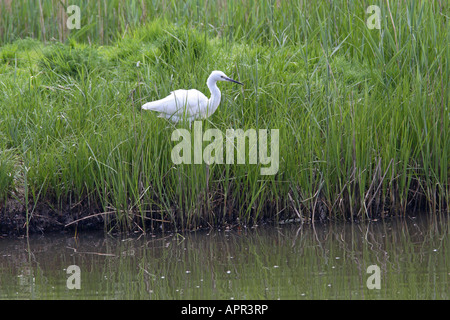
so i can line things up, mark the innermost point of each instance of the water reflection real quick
(286, 262)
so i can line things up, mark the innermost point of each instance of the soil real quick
(43, 218)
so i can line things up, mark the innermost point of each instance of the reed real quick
(362, 114)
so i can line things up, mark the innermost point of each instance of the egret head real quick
(220, 76)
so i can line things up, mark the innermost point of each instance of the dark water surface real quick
(286, 262)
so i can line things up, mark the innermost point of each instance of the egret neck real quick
(214, 101)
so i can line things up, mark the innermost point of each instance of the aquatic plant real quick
(362, 113)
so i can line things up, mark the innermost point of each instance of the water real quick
(286, 262)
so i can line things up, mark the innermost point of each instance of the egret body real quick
(190, 104)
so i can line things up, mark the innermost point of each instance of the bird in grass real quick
(190, 104)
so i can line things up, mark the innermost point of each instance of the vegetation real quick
(362, 113)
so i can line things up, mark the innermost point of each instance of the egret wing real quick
(192, 103)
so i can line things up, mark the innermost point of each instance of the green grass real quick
(362, 114)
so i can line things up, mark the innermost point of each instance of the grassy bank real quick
(362, 113)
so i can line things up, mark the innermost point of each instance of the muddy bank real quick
(44, 218)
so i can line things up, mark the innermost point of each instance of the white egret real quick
(190, 104)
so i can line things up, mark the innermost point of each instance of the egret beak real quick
(231, 80)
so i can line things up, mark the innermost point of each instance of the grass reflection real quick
(289, 262)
